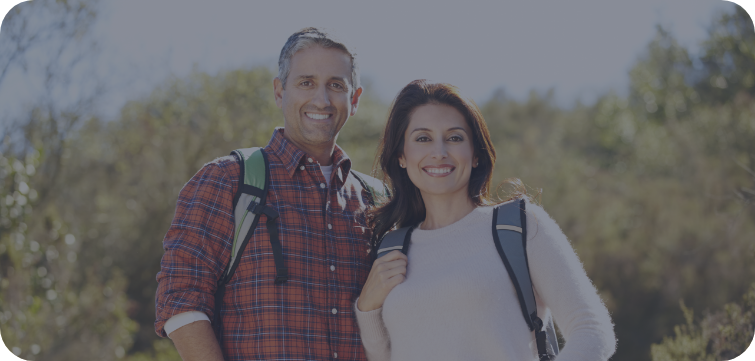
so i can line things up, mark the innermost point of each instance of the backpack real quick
(248, 205)
(510, 236)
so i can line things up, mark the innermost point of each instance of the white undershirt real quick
(185, 318)
(327, 170)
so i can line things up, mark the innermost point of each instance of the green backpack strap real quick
(248, 205)
(510, 237)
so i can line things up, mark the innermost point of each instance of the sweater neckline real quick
(468, 220)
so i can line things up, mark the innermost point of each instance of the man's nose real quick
(321, 98)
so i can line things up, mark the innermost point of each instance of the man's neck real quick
(321, 154)
(324, 157)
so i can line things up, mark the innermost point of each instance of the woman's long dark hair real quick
(405, 206)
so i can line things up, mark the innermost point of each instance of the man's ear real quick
(278, 90)
(355, 101)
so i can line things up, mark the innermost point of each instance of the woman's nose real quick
(439, 150)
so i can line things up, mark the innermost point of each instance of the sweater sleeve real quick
(375, 339)
(562, 285)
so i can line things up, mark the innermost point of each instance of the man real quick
(321, 228)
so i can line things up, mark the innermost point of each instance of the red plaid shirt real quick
(325, 248)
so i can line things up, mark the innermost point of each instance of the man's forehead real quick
(316, 61)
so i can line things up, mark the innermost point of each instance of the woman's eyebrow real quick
(420, 129)
(429, 130)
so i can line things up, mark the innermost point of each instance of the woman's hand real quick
(387, 272)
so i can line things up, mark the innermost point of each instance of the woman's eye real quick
(423, 139)
(456, 138)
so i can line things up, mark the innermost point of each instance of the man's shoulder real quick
(219, 171)
(229, 165)
(222, 162)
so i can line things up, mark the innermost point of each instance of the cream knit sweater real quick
(458, 302)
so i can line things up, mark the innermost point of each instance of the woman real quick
(451, 297)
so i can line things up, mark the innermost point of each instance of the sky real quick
(578, 48)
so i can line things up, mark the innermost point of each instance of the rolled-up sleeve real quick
(197, 245)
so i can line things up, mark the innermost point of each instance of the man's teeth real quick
(438, 170)
(318, 116)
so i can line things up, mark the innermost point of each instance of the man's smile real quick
(318, 116)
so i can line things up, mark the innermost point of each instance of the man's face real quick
(318, 98)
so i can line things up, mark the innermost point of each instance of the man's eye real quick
(337, 86)
(306, 83)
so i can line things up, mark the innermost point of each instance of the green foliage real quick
(162, 350)
(723, 335)
(659, 84)
(50, 303)
(728, 64)
(123, 177)
(360, 136)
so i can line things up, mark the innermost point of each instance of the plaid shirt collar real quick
(292, 156)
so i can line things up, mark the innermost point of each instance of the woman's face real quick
(438, 154)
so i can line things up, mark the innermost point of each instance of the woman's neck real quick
(444, 210)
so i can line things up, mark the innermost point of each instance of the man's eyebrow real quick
(343, 79)
(428, 130)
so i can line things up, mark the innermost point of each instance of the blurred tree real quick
(52, 305)
(727, 68)
(723, 335)
(123, 177)
(659, 86)
(359, 137)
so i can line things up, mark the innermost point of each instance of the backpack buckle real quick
(258, 208)
(282, 275)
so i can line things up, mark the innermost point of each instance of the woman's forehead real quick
(436, 117)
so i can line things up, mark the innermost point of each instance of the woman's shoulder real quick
(538, 221)
(530, 207)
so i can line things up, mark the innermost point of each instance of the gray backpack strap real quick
(510, 236)
(393, 240)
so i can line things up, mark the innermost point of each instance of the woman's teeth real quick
(438, 170)
(318, 116)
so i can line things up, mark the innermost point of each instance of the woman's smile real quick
(439, 171)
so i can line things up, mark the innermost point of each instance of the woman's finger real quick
(388, 274)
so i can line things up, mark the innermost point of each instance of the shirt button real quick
(302, 167)
(309, 160)
(330, 226)
(332, 268)
(335, 354)
(322, 185)
(334, 311)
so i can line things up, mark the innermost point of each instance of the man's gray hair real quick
(306, 38)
